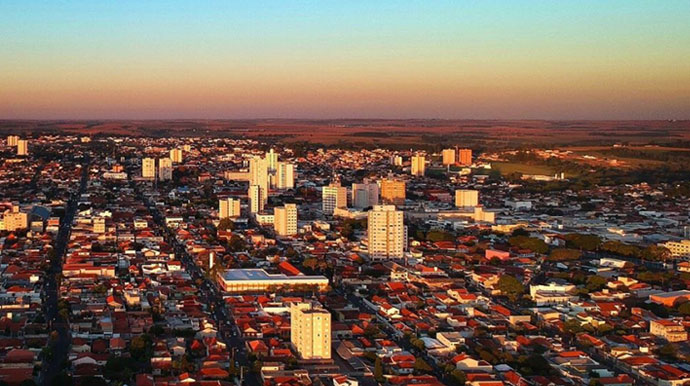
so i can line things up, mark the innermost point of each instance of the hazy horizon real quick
(521, 60)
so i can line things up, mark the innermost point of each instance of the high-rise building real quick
(466, 198)
(333, 196)
(165, 169)
(258, 175)
(176, 156)
(448, 156)
(418, 165)
(285, 175)
(310, 330)
(386, 232)
(465, 157)
(393, 191)
(256, 200)
(12, 140)
(365, 194)
(272, 160)
(148, 168)
(285, 220)
(396, 160)
(22, 147)
(228, 208)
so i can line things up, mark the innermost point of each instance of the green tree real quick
(564, 254)
(421, 366)
(226, 224)
(511, 287)
(595, 283)
(532, 243)
(378, 370)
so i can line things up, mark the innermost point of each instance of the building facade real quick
(310, 330)
(386, 232)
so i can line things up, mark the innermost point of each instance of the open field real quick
(523, 168)
(401, 133)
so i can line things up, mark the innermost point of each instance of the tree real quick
(141, 347)
(458, 377)
(684, 309)
(595, 283)
(226, 225)
(564, 254)
(421, 366)
(378, 370)
(511, 287)
(119, 369)
(582, 241)
(532, 243)
(668, 352)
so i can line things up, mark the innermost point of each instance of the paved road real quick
(209, 293)
(60, 346)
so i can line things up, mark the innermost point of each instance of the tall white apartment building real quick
(418, 165)
(165, 169)
(285, 175)
(256, 200)
(148, 168)
(228, 208)
(365, 194)
(386, 232)
(285, 220)
(258, 175)
(12, 140)
(466, 198)
(272, 160)
(333, 196)
(310, 330)
(176, 156)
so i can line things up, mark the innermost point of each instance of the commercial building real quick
(255, 280)
(365, 194)
(285, 220)
(228, 208)
(386, 232)
(165, 169)
(176, 156)
(310, 330)
(256, 199)
(466, 198)
(393, 191)
(333, 196)
(148, 168)
(418, 165)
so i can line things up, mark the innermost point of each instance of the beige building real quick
(165, 169)
(14, 220)
(678, 248)
(392, 191)
(386, 232)
(255, 280)
(22, 147)
(99, 225)
(229, 208)
(148, 168)
(466, 198)
(333, 196)
(671, 330)
(310, 330)
(285, 176)
(176, 156)
(448, 156)
(418, 165)
(285, 220)
(256, 199)
(259, 176)
(12, 140)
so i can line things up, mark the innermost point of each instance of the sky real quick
(561, 59)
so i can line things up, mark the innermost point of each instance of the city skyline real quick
(171, 60)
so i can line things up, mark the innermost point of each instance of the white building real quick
(285, 175)
(365, 194)
(22, 147)
(229, 208)
(176, 156)
(256, 199)
(466, 198)
(448, 156)
(165, 169)
(333, 196)
(148, 168)
(418, 165)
